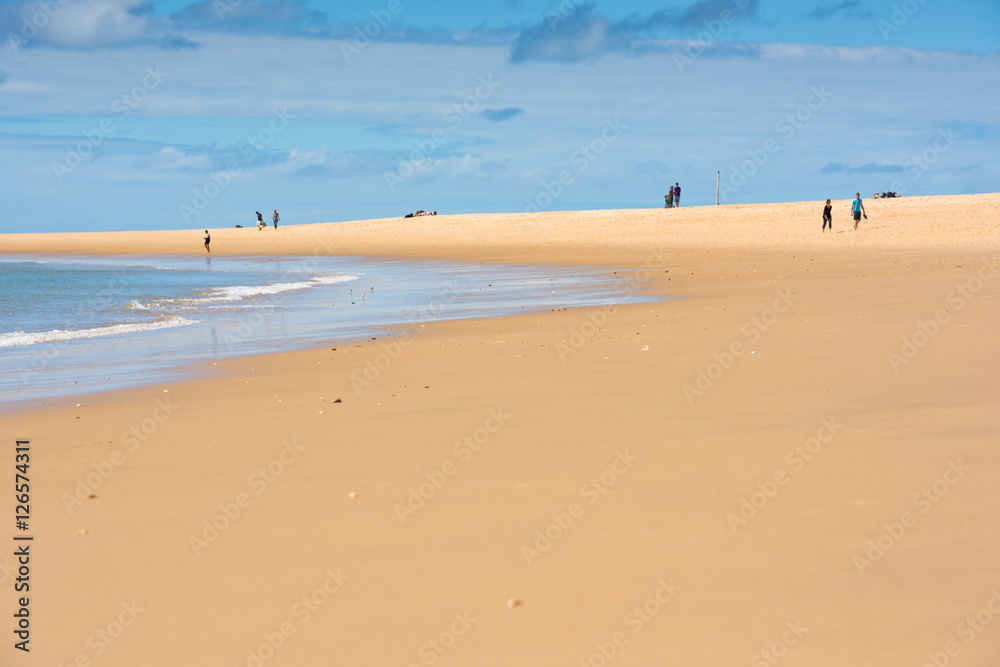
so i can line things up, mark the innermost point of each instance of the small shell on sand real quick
(80, 532)
(513, 602)
(352, 495)
(322, 412)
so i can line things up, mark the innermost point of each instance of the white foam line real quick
(240, 292)
(17, 338)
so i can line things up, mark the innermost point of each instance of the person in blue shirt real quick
(859, 209)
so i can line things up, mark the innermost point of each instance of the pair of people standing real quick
(674, 196)
(858, 208)
(275, 218)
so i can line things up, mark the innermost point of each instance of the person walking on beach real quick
(670, 198)
(677, 195)
(260, 221)
(859, 209)
(828, 216)
(208, 239)
(275, 218)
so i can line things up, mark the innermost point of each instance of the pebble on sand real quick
(513, 602)
(352, 495)
(80, 532)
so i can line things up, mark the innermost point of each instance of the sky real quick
(132, 114)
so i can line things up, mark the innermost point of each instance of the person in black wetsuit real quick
(828, 216)
(208, 239)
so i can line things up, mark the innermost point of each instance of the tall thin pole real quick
(718, 179)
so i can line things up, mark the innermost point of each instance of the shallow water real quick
(76, 325)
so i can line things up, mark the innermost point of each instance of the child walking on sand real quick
(828, 216)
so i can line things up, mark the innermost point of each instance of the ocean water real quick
(77, 325)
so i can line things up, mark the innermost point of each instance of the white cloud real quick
(174, 159)
(86, 24)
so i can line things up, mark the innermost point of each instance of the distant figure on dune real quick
(677, 195)
(828, 216)
(670, 198)
(859, 210)
(260, 221)
(275, 218)
(208, 239)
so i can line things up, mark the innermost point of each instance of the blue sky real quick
(124, 114)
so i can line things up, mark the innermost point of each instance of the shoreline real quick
(407, 297)
(500, 427)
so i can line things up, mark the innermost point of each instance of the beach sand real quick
(691, 481)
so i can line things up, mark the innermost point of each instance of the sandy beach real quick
(794, 459)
